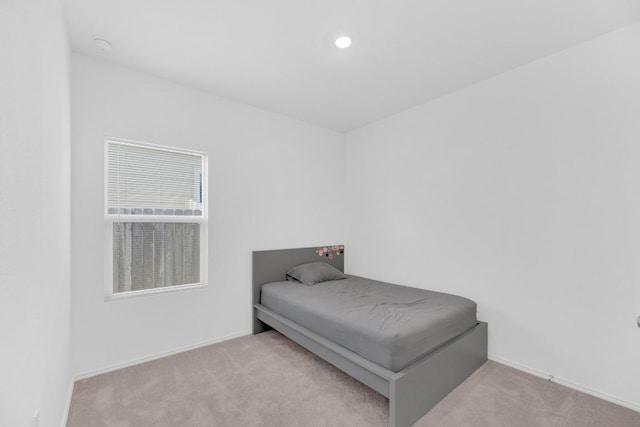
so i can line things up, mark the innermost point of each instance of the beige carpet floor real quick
(267, 380)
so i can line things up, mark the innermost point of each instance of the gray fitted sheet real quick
(390, 325)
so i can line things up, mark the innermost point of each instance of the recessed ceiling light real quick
(102, 44)
(343, 42)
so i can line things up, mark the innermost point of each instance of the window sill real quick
(156, 291)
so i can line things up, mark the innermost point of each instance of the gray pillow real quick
(314, 272)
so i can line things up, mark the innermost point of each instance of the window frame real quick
(110, 219)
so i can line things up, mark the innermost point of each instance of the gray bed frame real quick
(413, 391)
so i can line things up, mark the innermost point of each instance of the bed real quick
(414, 370)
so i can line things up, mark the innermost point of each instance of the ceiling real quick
(279, 54)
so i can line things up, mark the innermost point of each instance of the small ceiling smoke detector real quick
(343, 42)
(102, 44)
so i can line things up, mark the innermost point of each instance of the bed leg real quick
(393, 414)
(258, 325)
(399, 416)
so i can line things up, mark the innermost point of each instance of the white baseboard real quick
(156, 356)
(566, 383)
(65, 415)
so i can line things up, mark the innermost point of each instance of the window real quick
(156, 217)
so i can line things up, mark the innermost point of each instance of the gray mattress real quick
(390, 325)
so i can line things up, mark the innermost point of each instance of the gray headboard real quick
(272, 266)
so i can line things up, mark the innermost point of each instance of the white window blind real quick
(156, 211)
(145, 180)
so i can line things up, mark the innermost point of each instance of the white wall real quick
(34, 213)
(523, 193)
(274, 183)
